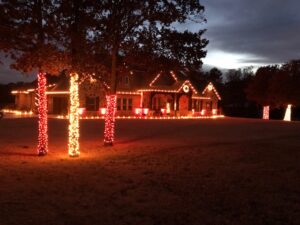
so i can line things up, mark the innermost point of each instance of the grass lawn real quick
(177, 172)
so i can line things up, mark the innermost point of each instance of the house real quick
(165, 94)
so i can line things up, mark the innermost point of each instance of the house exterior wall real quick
(24, 101)
(126, 104)
(92, 99)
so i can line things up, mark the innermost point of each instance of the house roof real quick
(172, 82)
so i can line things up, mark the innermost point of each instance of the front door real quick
(183, 105)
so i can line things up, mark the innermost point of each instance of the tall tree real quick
(258, 89)
(73, 22)
(215, 75)
(27, 38)
(284, 87)
(134, 29)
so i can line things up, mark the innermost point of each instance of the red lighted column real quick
(109, 129)
(42, 148)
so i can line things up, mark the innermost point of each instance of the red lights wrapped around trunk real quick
(42, 148)
(109, 129)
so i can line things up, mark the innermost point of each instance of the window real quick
(92, 103)
(130, 104)
(124, 104)
(126, 80)
(154, 103)
(118, 104)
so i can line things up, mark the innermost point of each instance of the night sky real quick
(241, 33)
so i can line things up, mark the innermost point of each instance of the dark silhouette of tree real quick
(131, 33)
(258, 88)
(27, 38)
(215, 75)
(234, 96)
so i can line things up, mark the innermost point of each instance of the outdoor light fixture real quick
(102, 111)
(81, 111)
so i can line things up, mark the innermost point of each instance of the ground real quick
(218, 172)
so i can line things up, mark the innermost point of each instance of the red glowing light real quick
(109, 129)
(42, 148)
(203, 112)
(266, 112)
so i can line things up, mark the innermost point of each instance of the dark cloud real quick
(269, 30)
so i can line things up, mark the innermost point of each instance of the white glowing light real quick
(288, 112)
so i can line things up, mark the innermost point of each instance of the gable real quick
(164, 79)
(210, 88)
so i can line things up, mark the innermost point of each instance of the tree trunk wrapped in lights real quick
(109, 129)
(266, 112)
(42, 113)
(288, 112)
(74, 116)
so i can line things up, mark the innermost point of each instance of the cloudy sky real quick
(252, 32)
(241, 33)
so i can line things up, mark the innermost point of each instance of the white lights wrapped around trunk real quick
(74, 116)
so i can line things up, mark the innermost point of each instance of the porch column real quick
(175, 103)
(142, 100)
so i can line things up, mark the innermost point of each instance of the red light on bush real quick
(203, 112)
(163, 111)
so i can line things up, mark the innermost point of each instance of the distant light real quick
(288, 112)
(266, 112)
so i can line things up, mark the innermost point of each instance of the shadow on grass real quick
(18, 154)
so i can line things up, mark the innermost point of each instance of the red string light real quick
(109, 130)
(42, 111)
(266, 112)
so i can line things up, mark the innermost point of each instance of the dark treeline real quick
(244, 93)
